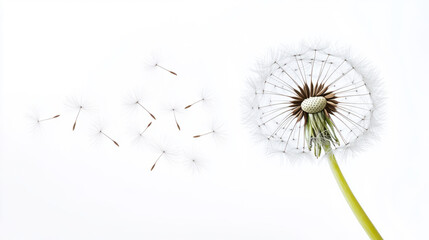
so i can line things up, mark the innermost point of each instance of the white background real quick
(59, 184)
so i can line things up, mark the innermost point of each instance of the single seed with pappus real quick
(46, 119)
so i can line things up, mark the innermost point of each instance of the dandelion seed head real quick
(311, 88)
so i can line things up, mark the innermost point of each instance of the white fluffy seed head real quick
(313, 104)
(358, 94)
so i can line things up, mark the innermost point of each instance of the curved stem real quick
(351, 200)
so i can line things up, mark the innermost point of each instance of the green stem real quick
(351, 200)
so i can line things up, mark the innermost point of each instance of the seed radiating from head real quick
(313, 104)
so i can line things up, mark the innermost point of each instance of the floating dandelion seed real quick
(163, 68)
(139, 103)
(193, 161)
(165, 150)
(157, 159)
(139, 136)
(135, 99)
(107, 136)
(195, 164)
(77, 116)
(153, 62)
(174, 110)
(204, 98)
(46, 119)
(204, 134)
(79, 105)
(141, 133)
(98, 130)
(192, 104)
(215, 131)
(314, 100)
(36, 120)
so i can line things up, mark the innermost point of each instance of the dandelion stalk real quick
(360, 214)
(319, 132)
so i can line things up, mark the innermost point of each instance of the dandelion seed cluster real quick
(80, 119)
(301, 100)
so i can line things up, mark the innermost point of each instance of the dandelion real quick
(315, 100)
(203, 98)
(157, 159)
(215, 130)
(166, 149)
(192, 104)
(139, 136)
(194, 164)
(144, 130)
(99, 132)
(107, 136)
(139, 103)
(46, 119)
(153, 62)
(204, 134)
(165, 69)
(163, 154)
(79, 105)
(174, 110)
(77, 116)
(36, 120)
(135, 100)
